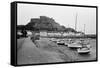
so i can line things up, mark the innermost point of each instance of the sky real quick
(64, 15)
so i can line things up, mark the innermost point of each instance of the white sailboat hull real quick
(83, 51)
(74, 46)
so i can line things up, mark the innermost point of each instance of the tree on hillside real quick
(70, 30)
(20, 27)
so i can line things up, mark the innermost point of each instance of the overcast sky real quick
(64, 15)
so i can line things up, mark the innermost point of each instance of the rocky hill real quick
(46, 23)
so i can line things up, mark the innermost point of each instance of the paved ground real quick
(44, 51)
(30, 54)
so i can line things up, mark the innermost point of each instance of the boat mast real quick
(68, 25)
(76, 22)
(84, 28)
